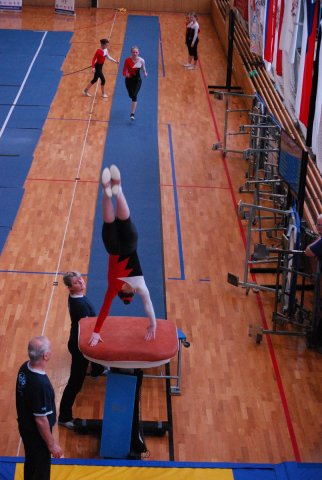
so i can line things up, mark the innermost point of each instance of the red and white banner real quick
(13, 5)
(67, 7)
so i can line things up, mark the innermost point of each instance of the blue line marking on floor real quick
(176, 206)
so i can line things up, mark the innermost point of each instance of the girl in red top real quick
(120, 238)
(97, 66)
(131, 72)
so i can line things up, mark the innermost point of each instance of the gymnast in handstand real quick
(120, 238)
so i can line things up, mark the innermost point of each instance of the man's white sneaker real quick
(104, 95)
(192, 67)
(86, 92)
(106, 182)
(115, 179)
(70, 424)
(187, 65)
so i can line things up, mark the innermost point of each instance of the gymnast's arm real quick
(108, 56)
(143, 291)
(195, 26)
(94, 60)
(125, 68)
(109, 296)
(143, 67)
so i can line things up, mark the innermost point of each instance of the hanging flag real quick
(278, 51)
(290, 37)
(316, 94)
(256, 11)
(269, 32)
(317, 121)
(311, 20)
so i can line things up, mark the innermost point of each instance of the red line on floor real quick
(259, 300)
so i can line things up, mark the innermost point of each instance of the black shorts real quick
(98, 74)
(120, 237)
(193, 51)
(133, 85)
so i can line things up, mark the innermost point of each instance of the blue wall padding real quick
(134, 148)
(10, 199)
(118, 415)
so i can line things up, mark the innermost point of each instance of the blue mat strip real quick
(27, 88)
(241, 471)
(133, 146)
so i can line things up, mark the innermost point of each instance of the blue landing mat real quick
(10, 199)
(150, 470)
(33, 72)
(4, 232)
(134, 148)
(25, 42)
(19, 141)
(26, 116)
(52, 48)
(4, 110)
(14, 74)
(14, 170)
(7, 95)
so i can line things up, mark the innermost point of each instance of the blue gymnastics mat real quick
(28, 84)
(94, 469)
(133, 147)
(26, 116)
(14, 170)
(19, 141)
(10, 75)
(10, 199)
(4, 232)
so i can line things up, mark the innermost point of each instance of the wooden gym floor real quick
(240, 402)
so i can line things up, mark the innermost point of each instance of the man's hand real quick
(55, 450)
(95, 338)
(150, 333)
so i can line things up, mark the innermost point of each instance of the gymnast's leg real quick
(122, 209)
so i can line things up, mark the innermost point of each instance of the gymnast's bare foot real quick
(106, 182)
(115, 179)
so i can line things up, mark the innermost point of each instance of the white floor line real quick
(22, 86)
(71, 202)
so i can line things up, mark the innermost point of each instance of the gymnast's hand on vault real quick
(95, 338)
(150, 333)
